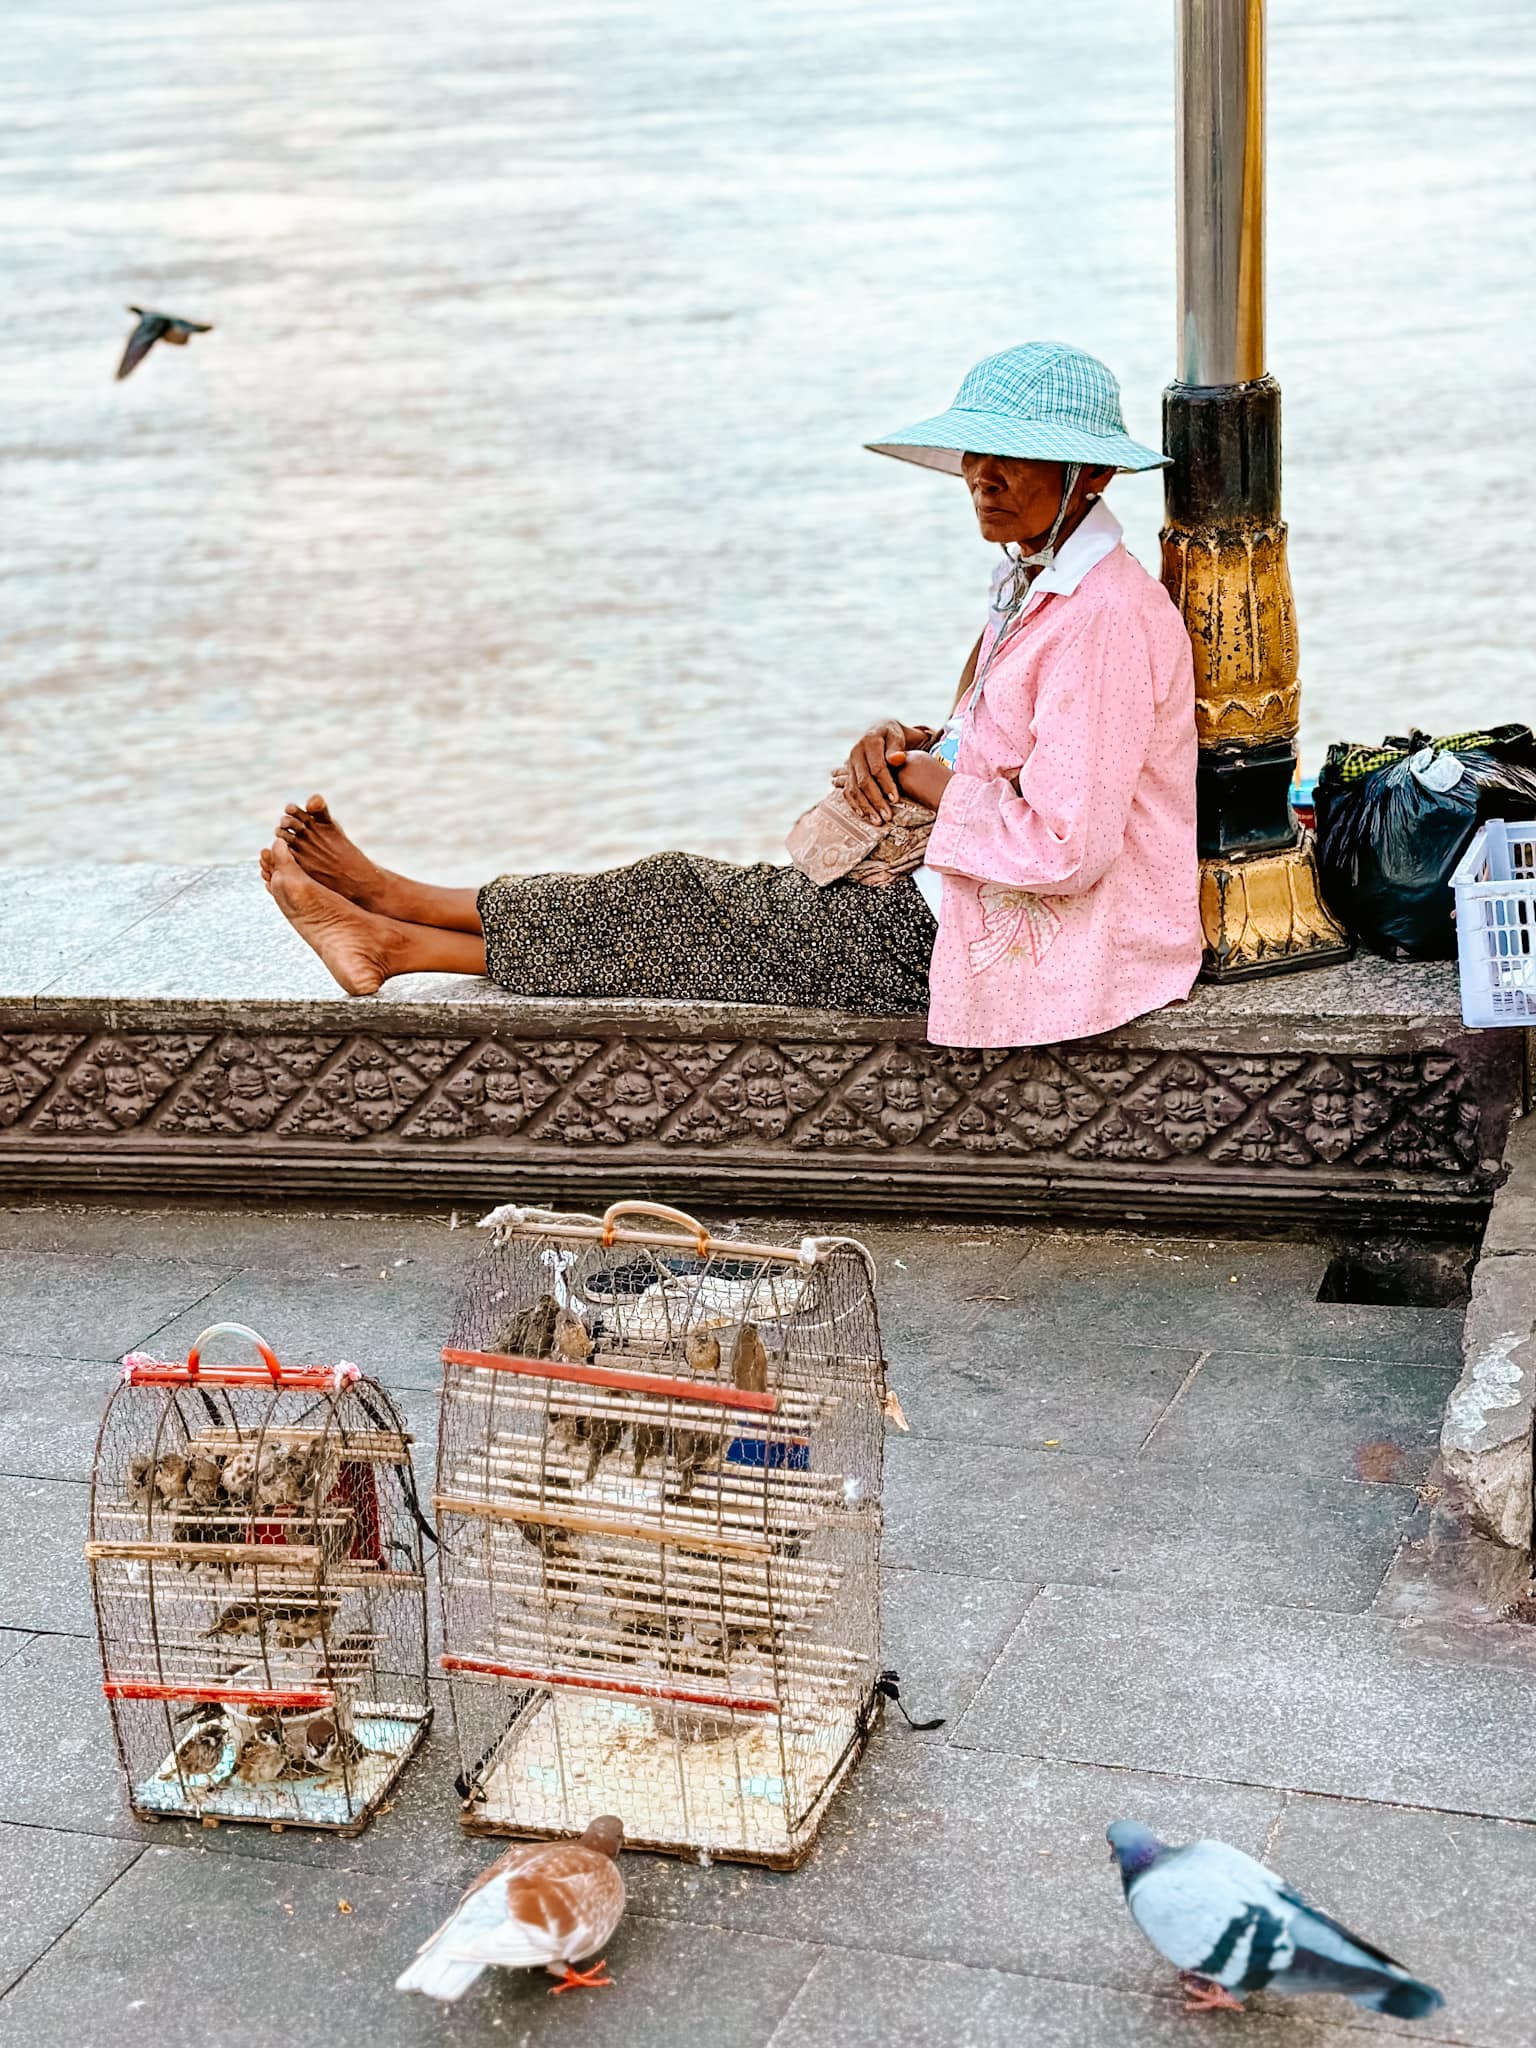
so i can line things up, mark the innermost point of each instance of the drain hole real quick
(1400, 1272)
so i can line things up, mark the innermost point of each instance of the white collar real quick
(1094, 537)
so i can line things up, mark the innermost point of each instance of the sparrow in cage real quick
(239, 1474)
(141, 1474)
(573, 1340)
(749, 1361)
(546, 1540)
(205, 1476)
(530, 1333)
(171, 1471)
(692, 1450)
(650, 1441)
(605, 1434)
(701, 1348)
(544, 1905)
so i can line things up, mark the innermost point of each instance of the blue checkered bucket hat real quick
(1044, 400)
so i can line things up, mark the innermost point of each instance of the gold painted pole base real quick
(1266, 915)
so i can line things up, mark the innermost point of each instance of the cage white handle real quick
(268, 1355)
(659, 1210)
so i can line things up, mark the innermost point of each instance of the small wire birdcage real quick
(256, 1561)
(658, 1486)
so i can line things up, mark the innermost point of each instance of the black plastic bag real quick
(1388, 840)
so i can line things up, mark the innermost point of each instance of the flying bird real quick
(1230, 1924)
(544, 1905)
(155, 327)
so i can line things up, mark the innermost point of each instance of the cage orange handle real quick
(663, 1213)
(268, 1355)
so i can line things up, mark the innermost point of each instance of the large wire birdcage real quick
(256, 1561)
(658, 1489)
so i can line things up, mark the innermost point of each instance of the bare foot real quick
(353, 945)
(328, 857)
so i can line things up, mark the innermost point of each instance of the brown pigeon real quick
(542, 1905)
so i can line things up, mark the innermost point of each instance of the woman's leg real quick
(328, 856)
(362, 949)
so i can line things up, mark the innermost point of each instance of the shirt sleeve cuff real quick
(955, 806)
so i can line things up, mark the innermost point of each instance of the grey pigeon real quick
(1229, 1924)
(155, 327)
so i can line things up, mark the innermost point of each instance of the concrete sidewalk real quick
(1140, 1551)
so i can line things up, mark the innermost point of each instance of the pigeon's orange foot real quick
(592, 1978)
(1201, 1995)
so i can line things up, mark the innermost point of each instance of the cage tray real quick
(388, 1735)
(562, 1762)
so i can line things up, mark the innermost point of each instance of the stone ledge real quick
(163, 1028)
(1486, 1445)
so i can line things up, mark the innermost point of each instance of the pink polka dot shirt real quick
(1066, 837)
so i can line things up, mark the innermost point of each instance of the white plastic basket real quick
(1495, 885)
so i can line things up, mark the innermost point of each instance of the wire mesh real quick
(256, 1563)
(658, 1487)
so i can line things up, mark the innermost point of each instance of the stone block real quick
(1003, 1380)
(1330, 1418)
(1353, 1706)
(1486, 1441)
(62, 1305)
(50, 1411)
(995, 1511)
(48, 1880)
(43, 1528)
(55, 917)
(1429, 1888)
(848, 2003)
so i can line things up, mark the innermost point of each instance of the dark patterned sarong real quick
(680, 927)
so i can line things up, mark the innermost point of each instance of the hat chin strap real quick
(1017, 588)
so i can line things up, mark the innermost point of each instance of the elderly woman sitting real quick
(1059, 891)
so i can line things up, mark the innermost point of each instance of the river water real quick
(518, 500)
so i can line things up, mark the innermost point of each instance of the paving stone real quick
(263, 1953)
(1335, 1418)
(61, 1767)
(999, 1511)
(988, 1378)
(292, 1239)
(56, 917)
(1351, 1705)
(47, 1880)
(1436, 1890)
(62, 1305)
(43, 1580)
(1228, 1294)
(391, 1320)
(966, 1857)
(943, 1634)
(50, 1411)
(12, 1642)
(852, 2002)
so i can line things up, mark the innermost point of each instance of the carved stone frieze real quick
(1412, 1116)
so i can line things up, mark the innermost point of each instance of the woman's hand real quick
(867, 777)
(922, 778)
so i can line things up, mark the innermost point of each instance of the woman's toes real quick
(318, 810)
(264, 860)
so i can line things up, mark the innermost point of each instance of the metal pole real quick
(1220, 54)
(1224, 553)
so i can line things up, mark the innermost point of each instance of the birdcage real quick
(658, 1491)
(256, 1560)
